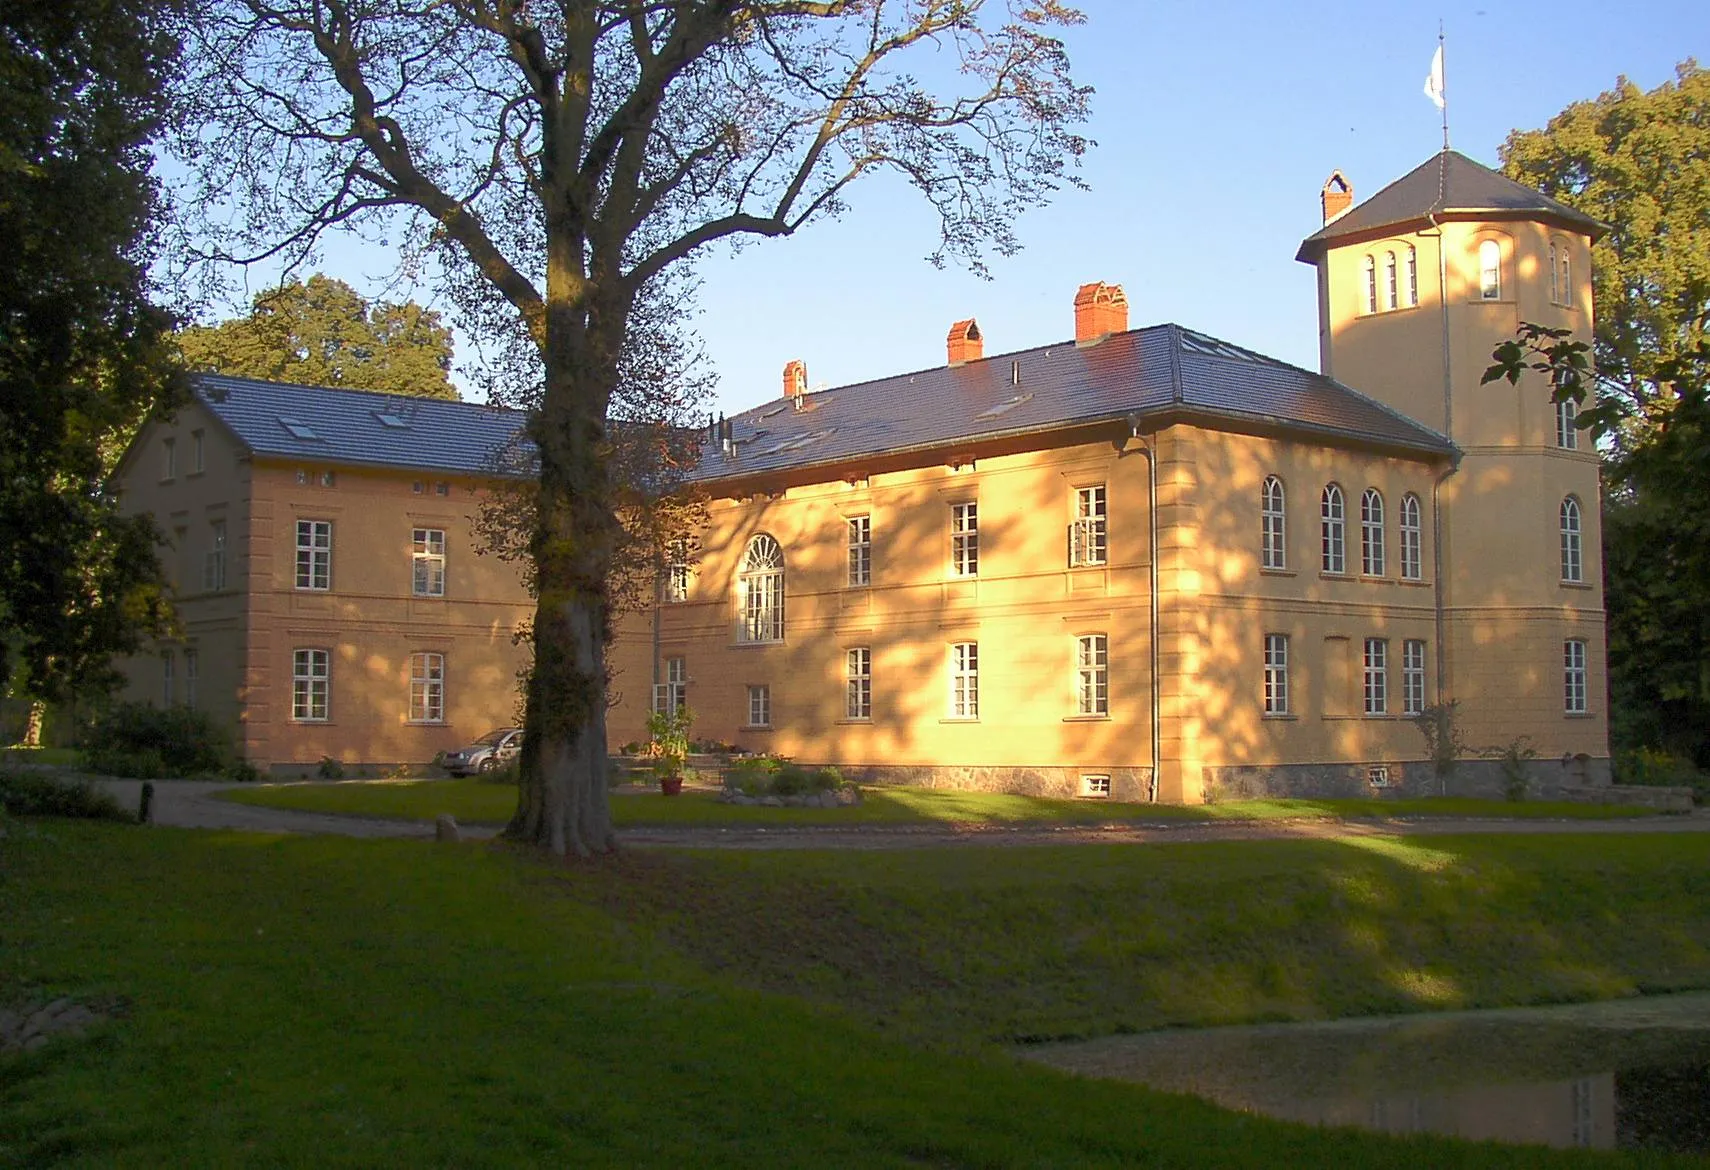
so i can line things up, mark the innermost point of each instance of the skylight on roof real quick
(1200, 343)
(391, 419)
(298, 428)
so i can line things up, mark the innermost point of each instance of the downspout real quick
(1152, 634)
(1438, 586)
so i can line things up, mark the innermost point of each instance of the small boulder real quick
(445, 828)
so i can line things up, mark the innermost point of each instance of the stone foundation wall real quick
(1579, 778)
(1129, 784)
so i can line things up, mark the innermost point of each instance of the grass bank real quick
(1019, 943)
(473, 801)
(327, 1002)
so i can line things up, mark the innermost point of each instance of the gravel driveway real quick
(191, 804)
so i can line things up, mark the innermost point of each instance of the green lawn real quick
(332, 1002)
(472, 801)
(58, 757)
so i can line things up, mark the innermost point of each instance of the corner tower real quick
(1416, 286)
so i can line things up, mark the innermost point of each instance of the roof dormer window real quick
(298, 428)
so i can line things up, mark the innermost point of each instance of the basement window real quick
(1378, 776)
(1095, 787)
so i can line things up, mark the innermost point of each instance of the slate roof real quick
(1150, 373)
(1448, 182)
(328, 425)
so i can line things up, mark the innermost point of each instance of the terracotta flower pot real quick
(670, 785)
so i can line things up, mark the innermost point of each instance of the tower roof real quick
(1451, 184)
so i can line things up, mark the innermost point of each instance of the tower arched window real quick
(1565, 260)
(1371, 533)
(1275, 531)
(1371, 284)
(1555, 277)
(1391, 292)
(1412, 539)
(760, 590)
(1333, 530)
(1412, 276)
(1573, 564)
(1490, 271)
(1567, 425)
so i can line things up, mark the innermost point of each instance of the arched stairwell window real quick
(1333, 530)
(1490, 271)
(760, 591)
(1371, 284)
(1573, 562)
(1274, 532)
(1412, 276)
(1392, 291)
(1371, 533)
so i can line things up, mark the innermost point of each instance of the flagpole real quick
(1445, 85)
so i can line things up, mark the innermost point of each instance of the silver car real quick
(487, 754)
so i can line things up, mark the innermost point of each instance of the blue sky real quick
(1216, 126)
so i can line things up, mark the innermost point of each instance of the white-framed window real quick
(1371, 284)
(192, 674)
(760, 705)
(858, 696)
(760, 586)
(427, 688)
(427, 562)
(168, 459)
(1333, 530)
(1391, 282)
(1087, 533)
(1573, 565)
(672, 695)
(860, 535)
(1273, 532)
(311, 676)
(214, 560)
(314, 554)
(1412, 275)
(1371, 533)
(198, 452)
(677, 571)
(1565, 261)
(1555, 277)
(965, 539)
(1096, 787)
(1276, 674)
(1092, 675)
(167, 664)
(965, 680)
(1567, 430)
(1412, 539)
(1490, 271)
(1377, 676)
(1573, 677)
(1413, 677)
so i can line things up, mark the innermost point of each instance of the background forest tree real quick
(556, 160)
(1640, 162)
(324, 333)
(84, 355)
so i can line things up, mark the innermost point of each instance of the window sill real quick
(859, 585)
(1278, 573)
(1579, 715)
(1089, 565)
(314, 722)
(1414, 582)
(1585, 585)
(742, 645)
(1376, 579)
(756, 727)
(960, 719)
(856, 721)
(1327, 575)
(1104, 718)
(424, 723)
(1280, 717)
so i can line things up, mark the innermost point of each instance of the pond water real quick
(1630, 1074)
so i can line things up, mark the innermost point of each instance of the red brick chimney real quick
(795, 378)
(1100, 309)
(965, 343)
(1338, 196)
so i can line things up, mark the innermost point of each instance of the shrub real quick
(242, 771)
(1655, 767)
(771, 776)
(329, 769)
(1513, 759)
(149, 743)
(28, 794)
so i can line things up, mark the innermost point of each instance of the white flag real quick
(1434, 79)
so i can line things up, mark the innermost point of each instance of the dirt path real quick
(191, 804)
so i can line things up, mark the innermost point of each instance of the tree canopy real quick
(557, 159)
(1639, 162)
(84, 355)
(324, 333)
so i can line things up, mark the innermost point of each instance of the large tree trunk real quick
(563, 804)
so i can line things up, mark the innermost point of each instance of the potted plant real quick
(668, 747)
